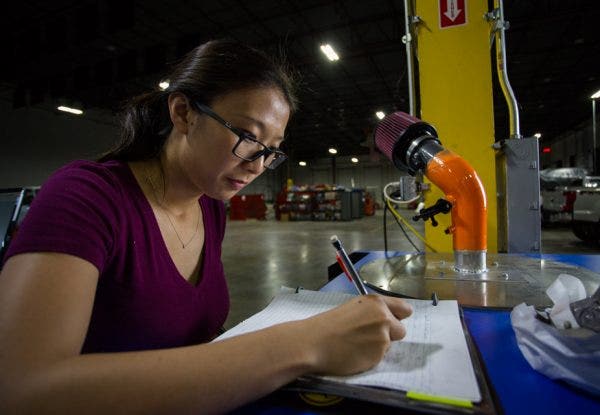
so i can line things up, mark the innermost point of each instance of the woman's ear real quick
(180, 112)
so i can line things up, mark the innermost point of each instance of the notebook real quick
(433, 359)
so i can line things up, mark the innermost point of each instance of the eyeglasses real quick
(248, 147)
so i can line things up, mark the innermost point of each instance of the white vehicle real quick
(558, 193)
(586, 210)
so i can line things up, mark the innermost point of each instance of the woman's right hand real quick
(354, 337)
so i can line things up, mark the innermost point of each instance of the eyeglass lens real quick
(250, 150)
(246, 148)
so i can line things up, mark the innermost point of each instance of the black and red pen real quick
(347, 266)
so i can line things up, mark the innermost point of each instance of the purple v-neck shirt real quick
(98, 212)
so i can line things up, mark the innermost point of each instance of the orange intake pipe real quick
(465, 192)
(413, 146)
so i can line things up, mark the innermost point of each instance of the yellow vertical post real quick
(455, 82)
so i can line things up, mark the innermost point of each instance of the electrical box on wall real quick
(518, 184)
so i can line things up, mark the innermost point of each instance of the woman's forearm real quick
(44, 313)
(209, 378)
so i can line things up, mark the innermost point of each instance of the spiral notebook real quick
(433, 359)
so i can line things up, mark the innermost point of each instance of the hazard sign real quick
(452, 13)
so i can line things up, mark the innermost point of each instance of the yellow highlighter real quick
(463, 403)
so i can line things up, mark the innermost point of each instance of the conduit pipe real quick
(499, 34)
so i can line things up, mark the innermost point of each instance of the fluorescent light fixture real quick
(70, 110)
(380, 114)
(596, 95)
(354, 160)
(163, 85)
(329, 52)
(302, 163)
(332, 151)
(538, 135)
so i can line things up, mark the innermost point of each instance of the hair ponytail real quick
(145, 125)
(211, 70)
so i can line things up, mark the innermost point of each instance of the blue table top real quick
(520, 389)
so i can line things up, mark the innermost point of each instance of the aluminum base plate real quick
(510, 279)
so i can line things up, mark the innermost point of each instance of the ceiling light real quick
(538, 135)
(302, 163)
(332, 151)
(163, 85)
(596, 95)
(380, 114)
(329, 52)
(70, 110)
(354, 160)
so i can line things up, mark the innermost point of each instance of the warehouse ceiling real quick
(96, 53)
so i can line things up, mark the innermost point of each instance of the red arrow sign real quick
(452, 13)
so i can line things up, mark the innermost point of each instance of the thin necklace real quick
(160, 204)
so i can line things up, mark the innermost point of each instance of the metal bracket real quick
(494, 17)
(498, 145)
(415, 20)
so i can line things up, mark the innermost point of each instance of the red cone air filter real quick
(400, 136)
(390, 129)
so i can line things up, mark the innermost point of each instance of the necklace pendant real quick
(166, 211)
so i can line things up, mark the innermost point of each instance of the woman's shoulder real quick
(81, 175)
(87, 168)
(78, 211)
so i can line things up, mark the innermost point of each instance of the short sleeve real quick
(74, 213)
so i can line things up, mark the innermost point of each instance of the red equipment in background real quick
(369, 204)
(247, 206)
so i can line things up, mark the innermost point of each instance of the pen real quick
(347, 266)
(342, 266)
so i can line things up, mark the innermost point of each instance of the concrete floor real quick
(261, 256)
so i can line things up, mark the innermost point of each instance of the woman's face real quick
(207, 158)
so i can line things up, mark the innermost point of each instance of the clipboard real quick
(359, 399)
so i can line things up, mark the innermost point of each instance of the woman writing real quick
(114, 287)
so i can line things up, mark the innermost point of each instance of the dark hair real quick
(211, 70)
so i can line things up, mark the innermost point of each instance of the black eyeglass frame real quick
(280, 156)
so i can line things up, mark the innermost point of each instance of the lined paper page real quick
(289, 306)
(433, 358)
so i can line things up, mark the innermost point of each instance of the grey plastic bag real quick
(570, 355)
